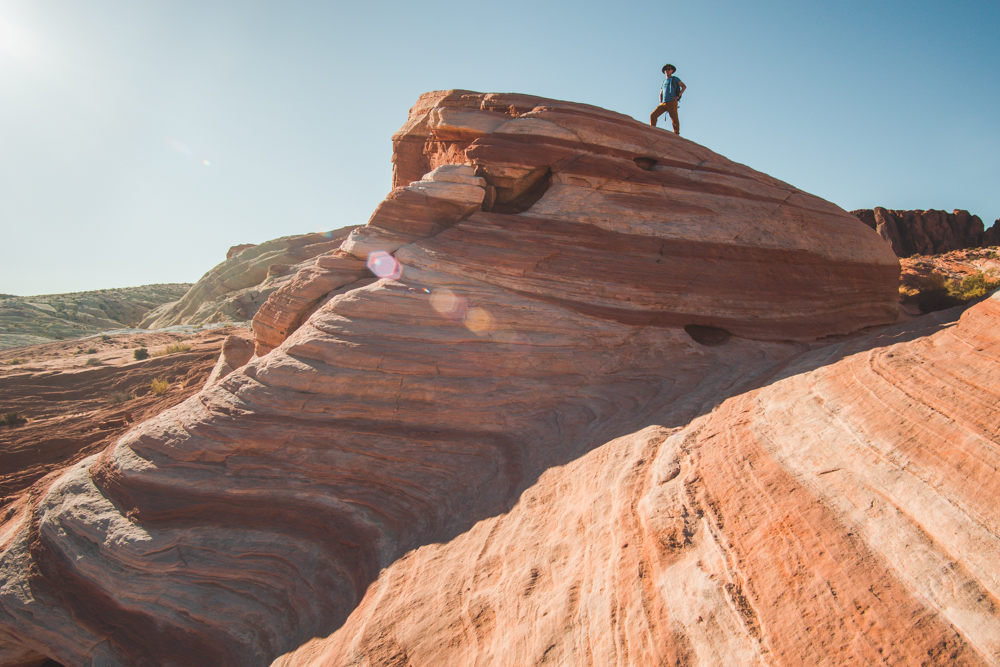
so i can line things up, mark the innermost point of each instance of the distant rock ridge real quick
(234, 290)
(546, 277)
(33, 320)
(929, 232)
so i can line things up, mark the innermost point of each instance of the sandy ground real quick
(74, 409)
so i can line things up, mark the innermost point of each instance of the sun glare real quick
(14, 41)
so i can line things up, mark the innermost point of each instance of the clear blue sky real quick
(140, 139)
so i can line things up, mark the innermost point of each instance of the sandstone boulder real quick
(518, 300)
(236, 352)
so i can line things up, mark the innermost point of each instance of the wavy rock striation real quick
(536, 268)
(842, 514)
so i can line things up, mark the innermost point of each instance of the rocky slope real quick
(929, 232)
(843, 513)
(551, 276)
(234, 290)
(41, 319)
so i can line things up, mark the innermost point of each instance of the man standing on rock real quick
(670, 94)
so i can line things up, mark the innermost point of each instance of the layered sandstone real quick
(611, 218)
(235, 289)
(542, 287)
(78, 397)
(928, 232)
(843, 513)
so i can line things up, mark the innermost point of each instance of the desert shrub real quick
(15, 362)
(14, 418)
(172, 349)
(932, 281)
(159, 386)
(92, 350)
(105, 337)
(141, 353)
(973, 286)
(120, 397)
(93, 361)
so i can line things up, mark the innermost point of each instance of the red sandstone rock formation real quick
(687, 236)
(844, 513)
(928, 232)
(534, 288)
(991, 237)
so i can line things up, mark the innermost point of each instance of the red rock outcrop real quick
(531, 306)
(928, 232)
(683, 235)
(844, 513)
(991, 237)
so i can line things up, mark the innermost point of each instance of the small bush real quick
(159, 386)
(15, 362)
(973, 286)
(105, 337)
(93, 361)
(120, 397)
(14, 418)
(92, 350)
(141, 353)
(171, 349)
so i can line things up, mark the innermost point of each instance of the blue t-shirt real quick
(670, 89)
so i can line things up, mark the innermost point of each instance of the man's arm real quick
(681, 88)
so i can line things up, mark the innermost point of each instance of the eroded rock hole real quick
(645, 163)
(705, 335)
(517, 195)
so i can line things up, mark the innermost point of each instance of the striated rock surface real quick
(80, 396)
(542, 287)
(234, 290)
(928, 232)
(614, 219)
(843, 513)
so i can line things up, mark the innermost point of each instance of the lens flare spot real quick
(14, 41)
(447, 302)
(384, 265)
(206, 163)
(478, 321)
